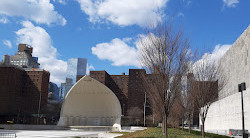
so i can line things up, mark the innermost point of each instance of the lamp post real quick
(242, 87)
(38, 114)
(144, 113)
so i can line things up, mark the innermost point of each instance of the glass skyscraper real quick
(76, 68)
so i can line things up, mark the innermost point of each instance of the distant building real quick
(122, 82)
(76, 69)
(23, 87)
(198, 87)
(136, 92)
(106, 79)
(53, 92)
(62, 91)
(129, 90)
(23, 58)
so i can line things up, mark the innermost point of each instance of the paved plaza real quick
(60, 133)
(68, 133)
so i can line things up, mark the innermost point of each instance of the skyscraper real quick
(76, 69)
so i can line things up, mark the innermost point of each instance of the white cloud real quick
(217, 53)
(4, 20)
(180, 14)
(63, 2)
(230, 3)
(89, 68)
(125, 12)
(41, 42)
(202, 68)
(7, 43)
(118, 52)
(213, 57)
(40, 11)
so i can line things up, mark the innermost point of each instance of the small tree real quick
(187, 100)
(177, 112)
(165, 55)
(205, 86)
(136, 113)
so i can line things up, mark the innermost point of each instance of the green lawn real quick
(157, 133)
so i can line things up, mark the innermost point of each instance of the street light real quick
(39, 107)
(242, 87)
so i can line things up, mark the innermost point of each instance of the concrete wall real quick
(236, 65)
(90, 103)
(226, 113)
(28, 127)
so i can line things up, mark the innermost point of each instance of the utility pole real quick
(145, 101)
(242, 87)
(38, 114)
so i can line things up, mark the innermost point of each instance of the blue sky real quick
(106, 31)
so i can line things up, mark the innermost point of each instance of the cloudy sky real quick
(106, 31)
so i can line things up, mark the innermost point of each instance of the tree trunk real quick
(203, 128)
(163, 126)
(166, 127)
(189, 124)
(182, 124)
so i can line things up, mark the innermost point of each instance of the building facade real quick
(23, 94)
(225, 113)
(130, 92)
(54, 92)
(107, 80)
(76, 69)
(23, 87)
(23, 58)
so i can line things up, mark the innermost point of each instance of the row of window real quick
(92, 73)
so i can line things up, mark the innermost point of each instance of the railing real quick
(7, 134)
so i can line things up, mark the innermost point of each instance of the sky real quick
(106, 32)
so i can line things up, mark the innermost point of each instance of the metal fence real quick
(7, 135)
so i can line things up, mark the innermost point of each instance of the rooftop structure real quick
(23, 57)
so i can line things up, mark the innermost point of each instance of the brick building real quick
(20, 93)
(39, 82)
(128, 88)
(11, 92)
(106, 79)
(136, 93)
(194, 86)
(23, 87)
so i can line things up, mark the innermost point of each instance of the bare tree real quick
(205, 85)
(165, 55)
(187, 100)
(176, 114)
(136, 113)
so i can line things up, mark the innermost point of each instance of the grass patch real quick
(172, 133)
(157, 133)
(210, 135)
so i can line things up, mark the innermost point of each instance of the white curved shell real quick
(90, 103)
